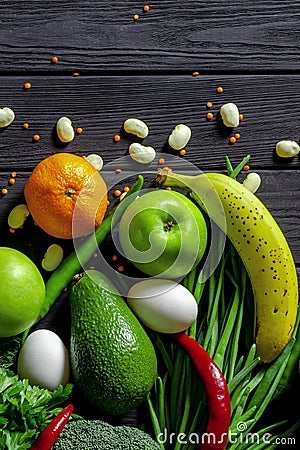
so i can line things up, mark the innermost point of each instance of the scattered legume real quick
(7, 116)
(136, 127)
(52, 258)
(17, 216)
(230, 114)
(141, 154)
(65, 131)
(287, 149)
(180, 136)
(95, 160)
(252, 182)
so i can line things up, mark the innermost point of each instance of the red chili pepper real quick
(218, 399)
(48, 436)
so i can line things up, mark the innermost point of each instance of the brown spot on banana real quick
(262, 248)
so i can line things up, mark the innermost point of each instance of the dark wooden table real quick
(111, 67)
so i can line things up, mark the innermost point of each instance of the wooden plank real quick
(278, 191)
(219, 35)
(271, 108)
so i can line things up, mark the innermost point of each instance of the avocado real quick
(113, 360)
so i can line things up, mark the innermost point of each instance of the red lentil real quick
(118, 170)
(79, 130)
(4, 191)
(237, 135)
(11, 181)
(54, 59)
(209, 105)
(117, 193)
(209, 116)
(246, 167)
(136, 17)
(25, 125)
(27, 85)
(36, 137)
(195, 74)
(146, 8)
(161, 161)
(241, 117)
(117, 138)
(219, 90)
(182, 152)
(114, 257)
(121, 268)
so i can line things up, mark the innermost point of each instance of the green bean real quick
(214, 295)
(246, 418)
(71, 265)
(186, 407)
(160, 408)
(261, 443)
(163, 351)
(177, 379)
(243, 372)
(154, 419)
(290, 373)
(240, 376)
(226, 333)
(228, 166)
(271, 375)
(239, 167)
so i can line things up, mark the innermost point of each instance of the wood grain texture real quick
(100, 104)
(179, 36)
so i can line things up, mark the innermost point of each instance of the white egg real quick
(44, 360)
(162, 305)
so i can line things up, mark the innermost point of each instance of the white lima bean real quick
(95, 160)
(17, 216)
(180, 136)
(53, 257)
(252, 182)
(287, 149)
(230, 115)
(65, 131)
(136, 127)
(141, 154)
(7, 116)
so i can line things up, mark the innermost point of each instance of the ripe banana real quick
(262, 247)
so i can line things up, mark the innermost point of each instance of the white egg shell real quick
(44, 360)
(162, 305)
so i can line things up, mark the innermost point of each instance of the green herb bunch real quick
(25, 410)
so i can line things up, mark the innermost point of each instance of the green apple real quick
(22, 292)
(163, 234)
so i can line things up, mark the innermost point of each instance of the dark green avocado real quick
(113, 360)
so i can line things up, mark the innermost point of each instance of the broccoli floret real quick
(99, 435)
